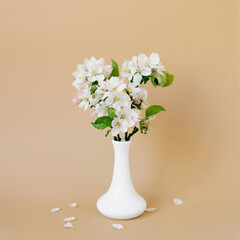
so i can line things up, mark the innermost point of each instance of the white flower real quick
(160, 68)
(129, 68)
(118, 100)
(137, 93)
(154, 62)
(107, 69)
(80, 73)
(125, 116)
(101, 109)
(118, 125)
(94, 99)
(78, 83)
(83, 90)
(84, 104)
(128, 116)
(114, 84)
(84, 96)
(80, 76)
(135, 117)
(154, 59)
(96, 70)
(135, 69)
(143, 65)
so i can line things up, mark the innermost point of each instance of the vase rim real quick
(119, 142)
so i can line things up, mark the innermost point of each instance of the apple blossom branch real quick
(117, 105)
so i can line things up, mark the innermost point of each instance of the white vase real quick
(121, 201)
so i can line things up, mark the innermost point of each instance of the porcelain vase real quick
(121, 201)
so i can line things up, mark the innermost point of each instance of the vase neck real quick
(121, 150)
(121, 180)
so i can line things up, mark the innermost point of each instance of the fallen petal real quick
(55, 209)
(69, 219)
(68, 225)
(117, 226)
(177, 201)
(73, 205)
(150, 209)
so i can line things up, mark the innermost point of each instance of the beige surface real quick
(52, 156)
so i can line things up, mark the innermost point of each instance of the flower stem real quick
(135, 130)
(126, 136)
(119, 139)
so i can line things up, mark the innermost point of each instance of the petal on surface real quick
(69, 219)
(117, 226)
(73, 205)
(177, 201)
(68, 225)
(55, 209)
(150, 209)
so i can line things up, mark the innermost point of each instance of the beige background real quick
(52, 156)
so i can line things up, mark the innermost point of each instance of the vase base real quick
(124, 208)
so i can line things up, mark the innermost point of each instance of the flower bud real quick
(137, 101)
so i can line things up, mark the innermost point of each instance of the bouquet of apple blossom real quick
(117, 105)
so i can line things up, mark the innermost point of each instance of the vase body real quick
(121, 201)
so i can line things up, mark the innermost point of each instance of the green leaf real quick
(169, 79)
(93, 88)
(156, 81)
(127, 91)
(153, 81)
(141, 125)
(115, 71)
(154, 109)
(163, 81)
(138, 107)
(107, 132)
(111, 112)
(144, 79)
(103, 122)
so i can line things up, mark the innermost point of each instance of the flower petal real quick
(146, 72)
(117, 226)
(69, 219)
(150, 209)
(137, 78)
(73, 205)
(68, 225)
(55, 209)
(177, 201)
(100, 77)
(154, 58)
